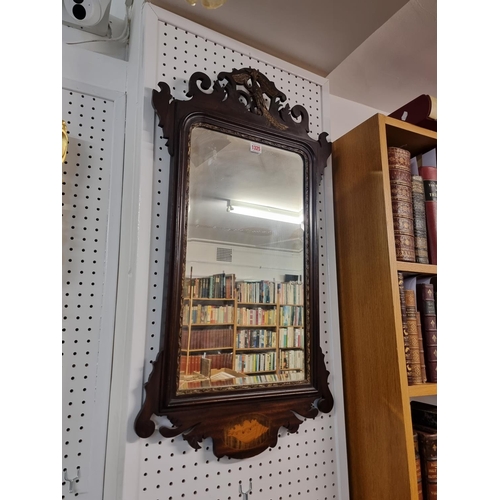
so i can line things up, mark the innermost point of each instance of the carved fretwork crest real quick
(246, 93)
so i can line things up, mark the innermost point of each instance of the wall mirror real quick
(240, 354)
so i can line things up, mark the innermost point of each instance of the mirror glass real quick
(243, 318)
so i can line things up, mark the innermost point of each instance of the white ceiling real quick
(380, 53)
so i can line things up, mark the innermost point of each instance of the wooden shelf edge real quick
(394, 122)
(412, 267)
(422, 390)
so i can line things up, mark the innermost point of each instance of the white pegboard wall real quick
(304, 464)
(90, 257)
(181, 53)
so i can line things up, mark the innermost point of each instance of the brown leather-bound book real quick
(421, 349)
(427, 309)
(421, 111)
(434, 283)
(419, 220)
(406, 340)
(429, 176)
(402, 204)
(427, 445)
(418, 466)
(415, 374)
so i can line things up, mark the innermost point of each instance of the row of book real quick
(217, 286)
(222, 338)
(207, 338)
(424, 420)
(256, 316)
(193, 364)
(265, 378)
(225, 286)
(291, 337)
(291, 315)
(418, 301)
(256, 292)
(291, 292)
(252, 338)
(414, 204)
(251, 363)
(292, 360)
(239, 379)
(207, 314)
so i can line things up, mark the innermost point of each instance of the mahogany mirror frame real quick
(246, 104)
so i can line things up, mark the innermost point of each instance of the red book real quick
(429, 176)
(421, 111)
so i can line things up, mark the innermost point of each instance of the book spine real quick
(418, 467)
(402, 205)
(426, 304)
(423, 415)
(421, 349)
(406, 340)
(428, 453)
(419, 221)
(429, 176)
(415, 374)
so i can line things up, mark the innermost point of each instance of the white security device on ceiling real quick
(87, 15)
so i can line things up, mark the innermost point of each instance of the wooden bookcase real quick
(376, 392)
(270, 329)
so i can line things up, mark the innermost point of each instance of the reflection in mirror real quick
(242, 308)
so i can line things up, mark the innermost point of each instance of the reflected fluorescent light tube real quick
(263, 212)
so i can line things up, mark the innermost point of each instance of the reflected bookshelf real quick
(238, 332)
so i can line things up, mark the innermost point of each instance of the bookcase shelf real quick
(381, 455)
(411, 267)
(419, 390)
(256, 326)
(265, 345)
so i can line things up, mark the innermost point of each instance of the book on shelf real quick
(421, 111)
(434, 284)
(421, 350)
(217, 286)
(424, 418)
(256, 292)
(423, 414)
(402, 203)
(291, 292)
(428, 171)
(207, 314)
(207, 338)
(419, 220)
(418, 467)
(427, 445)
(406, 340)
(255, 338)
(428, 316)
(417, 373)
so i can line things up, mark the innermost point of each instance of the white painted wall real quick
(346, 115)
(247, 263)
